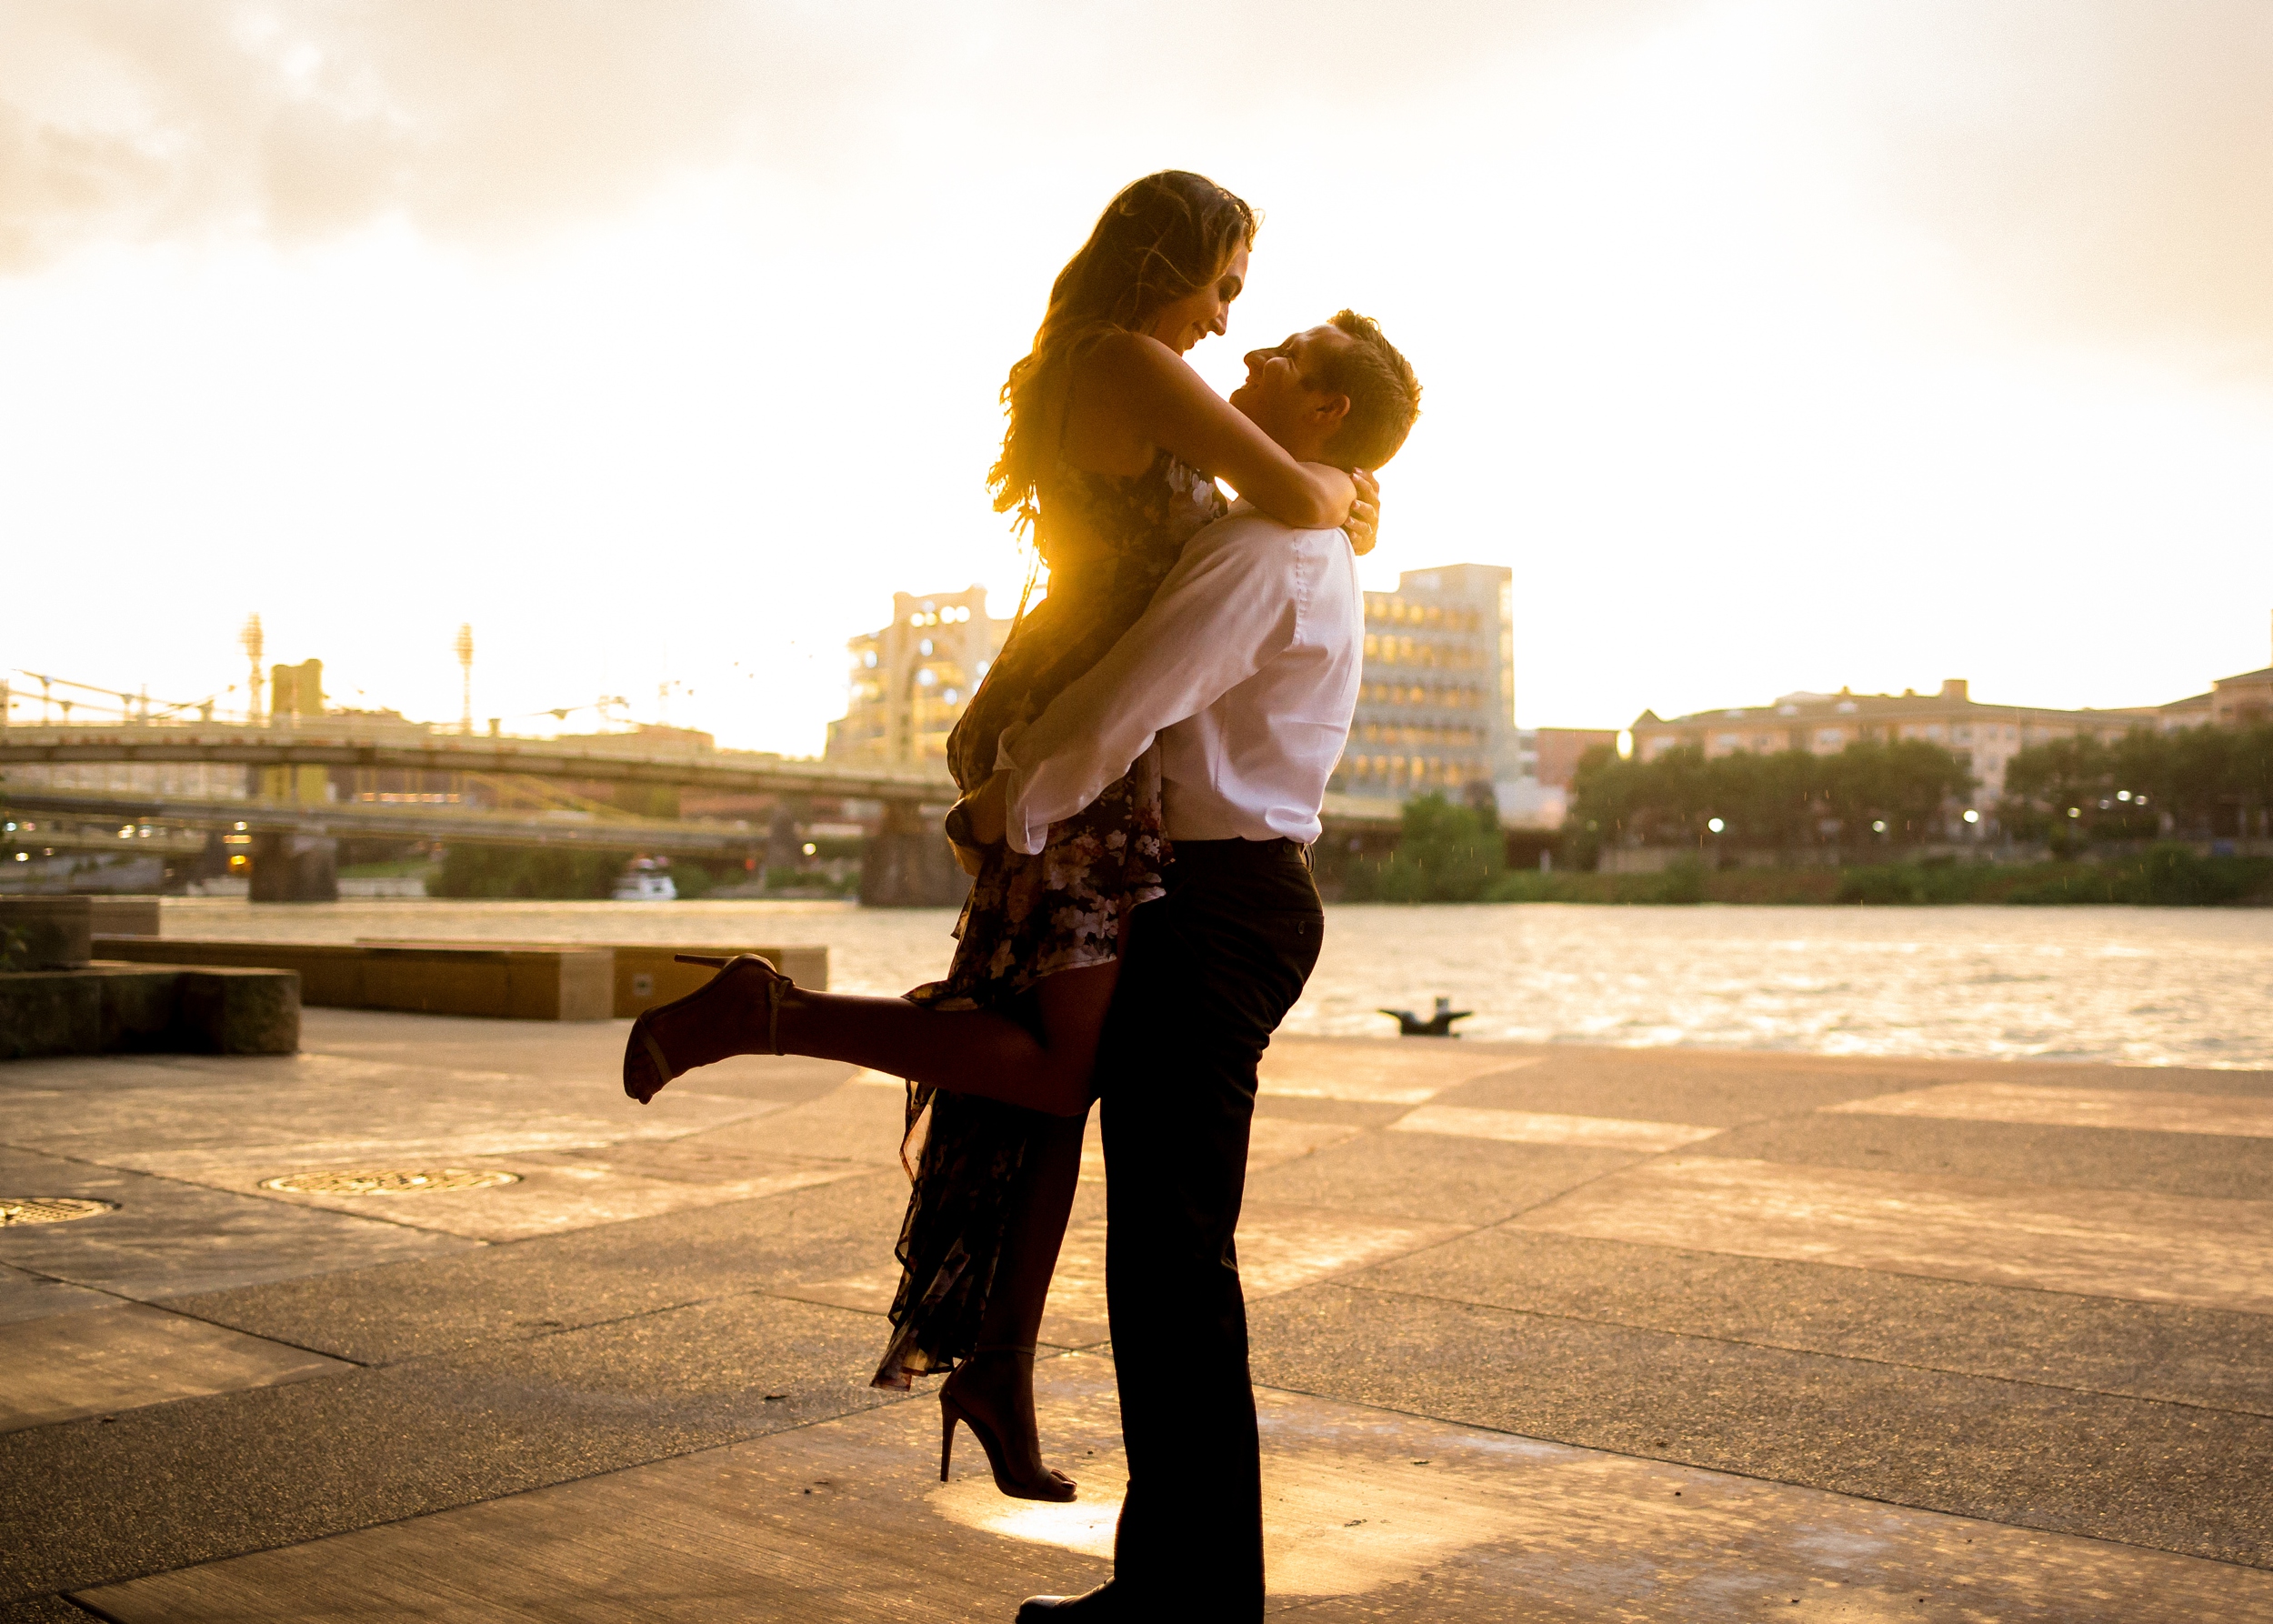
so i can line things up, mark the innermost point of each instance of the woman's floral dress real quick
(1031, 916)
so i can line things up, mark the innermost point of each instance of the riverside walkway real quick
(1539, 1334)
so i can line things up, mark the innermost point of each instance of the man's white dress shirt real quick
(1246, 669)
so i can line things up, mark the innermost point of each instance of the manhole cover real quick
(51, 1209)
(388, 1182)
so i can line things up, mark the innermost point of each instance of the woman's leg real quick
(971, 1051)
(996, 1382)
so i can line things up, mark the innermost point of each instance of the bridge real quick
(904, 861)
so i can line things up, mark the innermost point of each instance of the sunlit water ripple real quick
(2137, 987)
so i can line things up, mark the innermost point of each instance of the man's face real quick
(1283, 397)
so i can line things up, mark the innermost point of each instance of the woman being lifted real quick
(1111, 454)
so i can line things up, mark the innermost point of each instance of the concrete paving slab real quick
(2167, 1476)
(1446, 1181)
(861, 1123)
(1376, 1073)
(1273, 1141)
(169, 1238)
(1549, 1128)
(569, 1054)
(2112, 1159)
(1280, 1249)
(2211, 1253)
(122, 1355)
(2000, 1101)
(2147, 1350)
(1706, 1087)
(337, 1110)
(1369, 1514)
(548, 1194)
(26, 1295)
(175, 1484)
(581, 1277)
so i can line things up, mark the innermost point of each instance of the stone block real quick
(500, 982)
(108, 1008)
(46, 933)
(123, 916)
(649, 973)
(236, 1011)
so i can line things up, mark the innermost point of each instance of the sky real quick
(1774, 345)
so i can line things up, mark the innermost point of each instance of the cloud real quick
(2106, 165)
(146, 119)
(143, 120)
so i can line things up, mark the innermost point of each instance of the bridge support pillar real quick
(908, 863)
(288, 868)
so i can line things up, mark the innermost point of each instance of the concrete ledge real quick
(123, 915)
(104, 1009)
(508, 983)
(646, 973)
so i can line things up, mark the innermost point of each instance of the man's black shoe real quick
(1100, 1606)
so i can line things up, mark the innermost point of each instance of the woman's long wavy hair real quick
(1164, 236)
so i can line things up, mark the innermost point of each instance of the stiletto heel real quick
(1050, 1485)
(647, 1066)
(1053, 1486)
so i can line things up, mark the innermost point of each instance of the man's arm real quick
(1226, 607)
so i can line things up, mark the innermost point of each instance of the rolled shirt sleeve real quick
(1226, 609)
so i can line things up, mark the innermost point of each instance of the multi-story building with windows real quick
(1983, 737)
(1436, 708)
(911, 680)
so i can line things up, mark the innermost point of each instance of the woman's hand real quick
(975, 821)
(1365, 513)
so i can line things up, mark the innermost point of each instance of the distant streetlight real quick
(1714, 825)
(465, 672)
(250, 640)
(1971, 816)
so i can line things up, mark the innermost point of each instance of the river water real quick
(2136, 986)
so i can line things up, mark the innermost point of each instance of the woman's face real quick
(1205, 310)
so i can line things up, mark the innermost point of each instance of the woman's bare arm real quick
(1158, 399)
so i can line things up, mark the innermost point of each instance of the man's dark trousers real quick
(1212, 968)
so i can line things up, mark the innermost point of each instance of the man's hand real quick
(1365, 513)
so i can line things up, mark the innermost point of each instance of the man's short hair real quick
(1384, 394)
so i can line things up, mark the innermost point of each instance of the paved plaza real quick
(1551, 1334)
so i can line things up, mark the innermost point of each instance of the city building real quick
(911, 680)
(1435, 710)
(1983, 737)
(1546, 760)
(2243, 701)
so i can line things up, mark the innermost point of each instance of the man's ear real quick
(1330, 411)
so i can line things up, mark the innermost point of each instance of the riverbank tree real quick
(1874, 792)
(2198, 784)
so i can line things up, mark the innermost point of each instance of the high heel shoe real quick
(1051, 1485)
(648, 1066)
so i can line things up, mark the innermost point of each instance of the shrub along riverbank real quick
(2165, 876)
(1451, 853)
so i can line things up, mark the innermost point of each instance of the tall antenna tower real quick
(465, 670)
(249, 639)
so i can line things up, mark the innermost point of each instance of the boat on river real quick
(644, 879)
